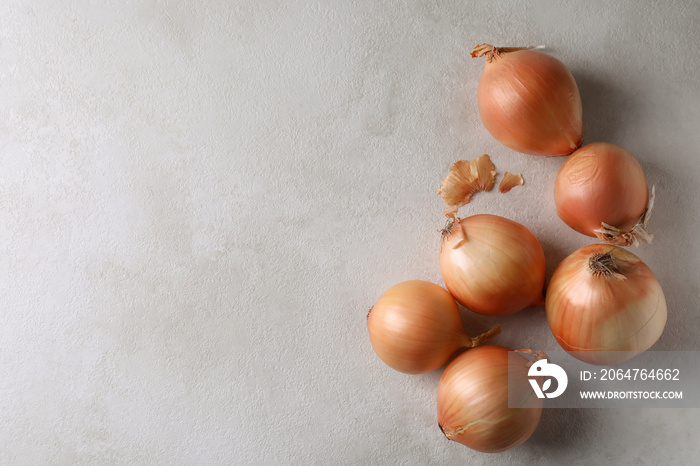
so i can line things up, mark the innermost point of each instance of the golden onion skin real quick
(492, 265)
(600, 182)
(601, 318)
(416, 326)
(529, 102)
(472, 400)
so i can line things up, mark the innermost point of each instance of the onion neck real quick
(637, 235)
(448, 227)
(490, 52)
(605, 265)
(473, 342)
(533, 355)
(453, 225)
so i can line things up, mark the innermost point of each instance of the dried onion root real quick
(637, 235)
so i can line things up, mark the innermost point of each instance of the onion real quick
(604, 305)
(529, 101)
(492, 265)
(415, 327)
(472, 400)
(601, 191)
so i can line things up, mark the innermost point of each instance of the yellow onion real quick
(472, 400)
(601, 191)
(492, 265)
(604, 305)
(415, 327)
(529, 101)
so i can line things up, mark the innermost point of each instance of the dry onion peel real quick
(416, 326)
(510, 181)
(604, 305)
(464, 179)
(473, 395)
(529, 101)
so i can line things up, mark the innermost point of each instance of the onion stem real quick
(490, 51)
(481, 339)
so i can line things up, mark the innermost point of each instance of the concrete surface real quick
(201, 200)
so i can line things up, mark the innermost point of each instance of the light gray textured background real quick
(200, 201)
